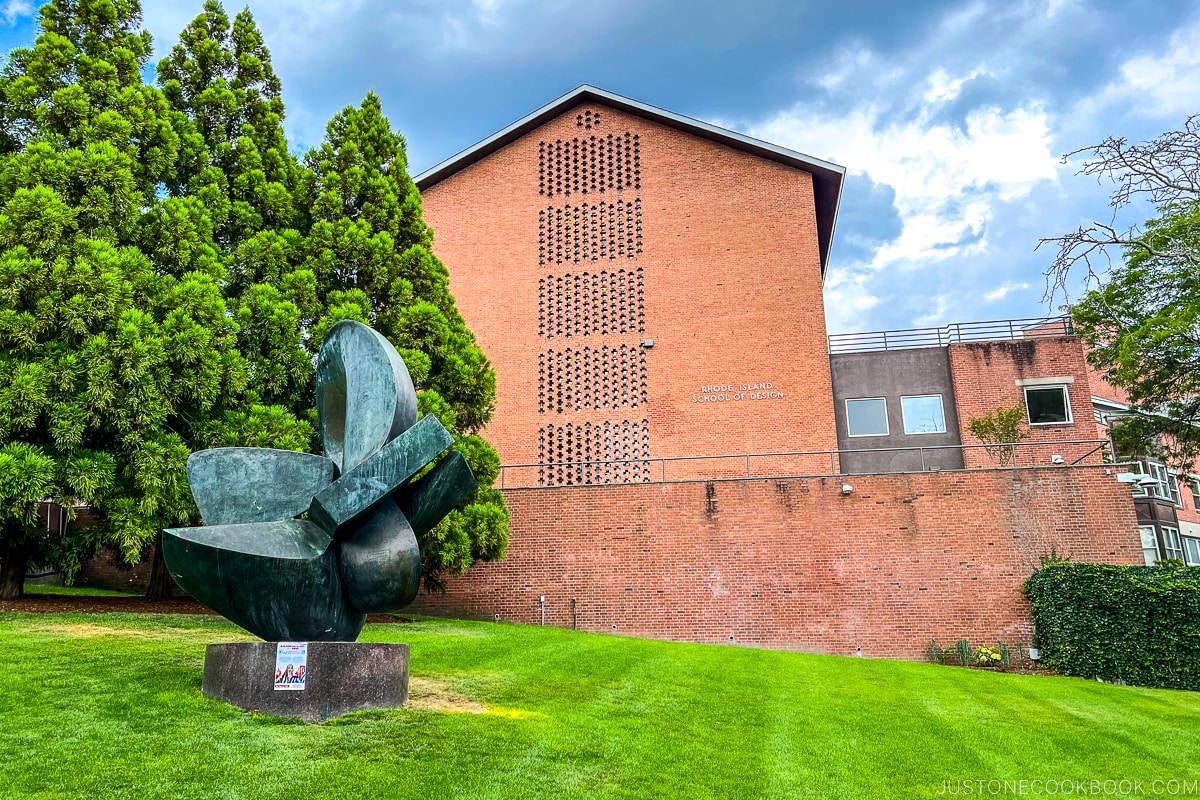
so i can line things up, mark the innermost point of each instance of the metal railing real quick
(808, 464)
(995, 330)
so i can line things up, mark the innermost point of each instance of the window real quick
(923, 414)
(1194, 485)
(1048, 405)
(1172, 547)
(1149, 544)
(1167, 487)
(1191, 552)
(1173, 489)
(867, 417)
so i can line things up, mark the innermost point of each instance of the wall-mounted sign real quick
(737, 392)
(291, 664)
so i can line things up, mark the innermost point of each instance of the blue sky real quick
(951, 117)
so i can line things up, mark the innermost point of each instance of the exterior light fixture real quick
(847, 488)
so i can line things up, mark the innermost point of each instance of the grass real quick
(79, 591)
(109, 706)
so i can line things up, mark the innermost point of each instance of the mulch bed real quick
(88, 604)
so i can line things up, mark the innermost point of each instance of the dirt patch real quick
(89, 604)
(86, 631)
(427, 694)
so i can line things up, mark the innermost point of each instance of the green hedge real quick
(1140, 625)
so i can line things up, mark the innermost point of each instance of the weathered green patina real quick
(316, 579)
(363, 488)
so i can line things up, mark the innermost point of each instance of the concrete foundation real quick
(340, 678)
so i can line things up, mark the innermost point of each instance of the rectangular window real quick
(1191, 551)
(1172, 547)
(867, 417)
(1048, 405)
(1149, 544)
(1167, 486)
(1173, 489)
(923, 414)
(1194, 485)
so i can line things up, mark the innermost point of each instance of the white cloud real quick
(1001, 292)
(847, 298)
(968, 160)
(942, 88)
(1165, 83)
(942, 304)
(947, 177)
(12, 10)
(487, 10)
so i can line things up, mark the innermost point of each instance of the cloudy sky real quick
(951, 117)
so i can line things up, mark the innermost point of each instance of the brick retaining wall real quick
(795, 563)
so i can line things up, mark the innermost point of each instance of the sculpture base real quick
(339, 678)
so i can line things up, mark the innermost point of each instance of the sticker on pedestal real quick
(291, 664)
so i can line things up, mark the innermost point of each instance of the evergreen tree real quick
(369, 250)
(114, 336)
(220, 77)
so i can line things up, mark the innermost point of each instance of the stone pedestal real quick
(340, 677)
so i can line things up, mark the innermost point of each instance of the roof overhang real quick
(827, 176)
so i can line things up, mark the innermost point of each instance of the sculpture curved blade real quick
(255, 484)
(381, 563)
(278, 580)
(365, 395)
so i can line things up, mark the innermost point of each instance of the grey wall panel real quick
(891, 375)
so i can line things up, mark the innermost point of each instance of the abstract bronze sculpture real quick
(285, 578)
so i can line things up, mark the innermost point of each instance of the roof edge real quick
(828, 177)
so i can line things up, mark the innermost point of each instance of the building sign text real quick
(734, 392)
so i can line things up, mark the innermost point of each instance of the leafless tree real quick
(1165, 171)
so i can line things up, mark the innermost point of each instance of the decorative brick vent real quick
(584, 453)
(591, 378)
(588, 120)
(593, 164)
(592, 304)
(590, 232)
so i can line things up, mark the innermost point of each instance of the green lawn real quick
(78, 591)
(110, 706)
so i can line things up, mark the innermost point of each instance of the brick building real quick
(689, 456)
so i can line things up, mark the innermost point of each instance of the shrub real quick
(964, 652)
(1005, 654)
(986, 657)
(1138, 625)
(999, 430)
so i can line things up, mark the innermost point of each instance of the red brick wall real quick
(985, 376)
(795, 563)
(732, 291)
(106, 573)
(1100, 387)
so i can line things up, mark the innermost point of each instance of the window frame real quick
(887, 423)
(1194, 486)
(1188, 558)
(904, 417)
(1168, 550)
(1142, 530)
(1066, 394)
(1174, 490)
(1167, 486)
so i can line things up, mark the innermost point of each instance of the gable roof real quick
(827, 177)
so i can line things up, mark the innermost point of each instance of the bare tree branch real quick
(1165, 171)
